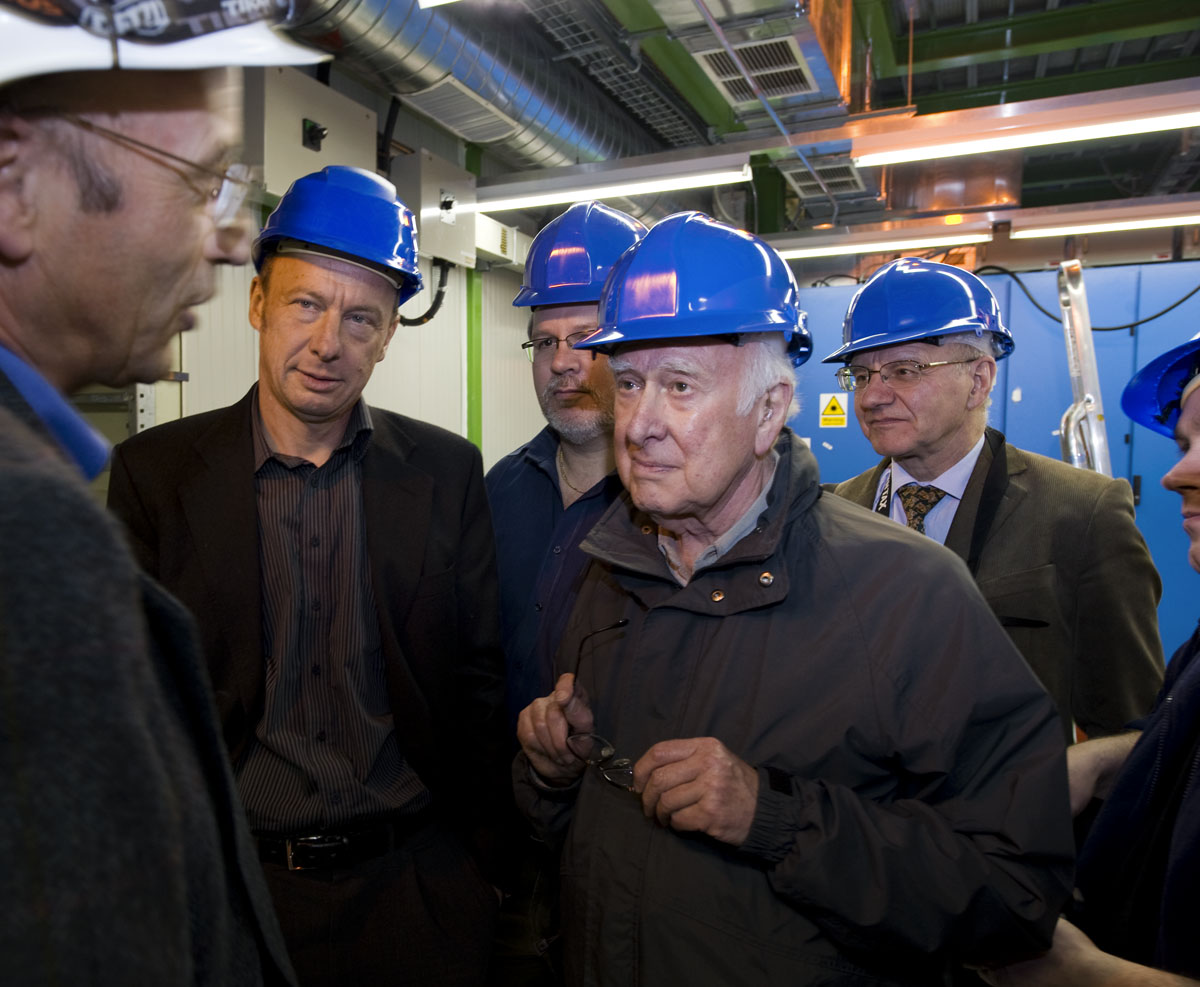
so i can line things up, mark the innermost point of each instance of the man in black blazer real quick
(1054, 549)
(340, 562)
(126, 856)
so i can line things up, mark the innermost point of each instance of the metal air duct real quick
(480, 72)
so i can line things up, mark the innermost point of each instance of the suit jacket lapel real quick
(221, 510)
(863, 488)
(967, 518)
(397, 506)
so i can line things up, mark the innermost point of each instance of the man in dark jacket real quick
(127, 860)
(545, 496)
(340, 562)
(1054, 549)
(766, 756)
(1140, 866)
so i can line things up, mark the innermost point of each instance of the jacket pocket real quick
(1026, 598)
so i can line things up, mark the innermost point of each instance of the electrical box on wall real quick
(443, 197)
(500, 244)
(295, 125)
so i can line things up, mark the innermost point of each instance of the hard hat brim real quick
(1151, 392)
(31, 48)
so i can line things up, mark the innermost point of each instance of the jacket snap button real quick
(717, 595)
(647, 530)
(766, 579)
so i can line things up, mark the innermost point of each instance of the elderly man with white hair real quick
(763, 755)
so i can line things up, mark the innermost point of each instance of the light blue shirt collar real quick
(86, 447)
(953, 481)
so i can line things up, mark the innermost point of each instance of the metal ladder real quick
(1082, 430)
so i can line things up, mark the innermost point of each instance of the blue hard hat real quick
(912, 299)
(570, 258)
(352, 213)
(693, 276)
(1151, 397)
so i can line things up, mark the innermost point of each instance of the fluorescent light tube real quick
(668, 183)
(1030, 138)
(1082, 229)
(835, 249)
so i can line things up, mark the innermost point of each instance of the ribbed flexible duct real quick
(561, 119)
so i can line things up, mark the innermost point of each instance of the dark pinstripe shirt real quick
(325, 751)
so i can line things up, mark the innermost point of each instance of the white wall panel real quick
(511, 415)
(220, 356)
(424, 372)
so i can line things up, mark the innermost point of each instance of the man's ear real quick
(18, 184)
(772, 416)
(258, 302)
(983, 379)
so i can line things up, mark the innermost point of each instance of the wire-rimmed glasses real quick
(592, 749)
(544, 347)
(229, 187)
(596, 752)
(898, 374)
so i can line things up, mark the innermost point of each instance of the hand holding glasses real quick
(555, 731)
(596, 752)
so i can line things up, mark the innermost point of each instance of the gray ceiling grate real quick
(776, 66)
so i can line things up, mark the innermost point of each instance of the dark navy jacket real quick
(540, 563)
(1140, 867)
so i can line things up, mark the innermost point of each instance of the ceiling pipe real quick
(560, 117)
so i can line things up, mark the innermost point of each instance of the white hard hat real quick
(144, 34)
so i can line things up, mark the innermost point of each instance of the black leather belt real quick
(339, 848)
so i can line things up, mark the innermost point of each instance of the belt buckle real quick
(325, 842)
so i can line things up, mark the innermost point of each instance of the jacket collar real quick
(628, 538)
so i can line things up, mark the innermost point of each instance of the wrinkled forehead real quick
(218, 90)
(693, 355)
(918, 350)
(563, 320)
(324, 273)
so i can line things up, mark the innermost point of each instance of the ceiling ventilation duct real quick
(481, 72)
(776, 66)
(837, 172)
(981, 181)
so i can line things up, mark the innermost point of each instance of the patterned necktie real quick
(918, 501)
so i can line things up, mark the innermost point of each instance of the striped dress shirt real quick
(325, 752)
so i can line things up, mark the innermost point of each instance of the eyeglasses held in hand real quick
(596, 752)
(592, 749)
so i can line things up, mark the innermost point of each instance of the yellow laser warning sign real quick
(833, 411)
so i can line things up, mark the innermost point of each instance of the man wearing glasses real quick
(766, 759)
(1054, 549)
(549, 492)
(340, 562)
(126, 854)
(545, 496)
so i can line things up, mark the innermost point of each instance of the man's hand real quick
(698, 785)
(1093, 766)
(544, 725)
(1075, 961)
